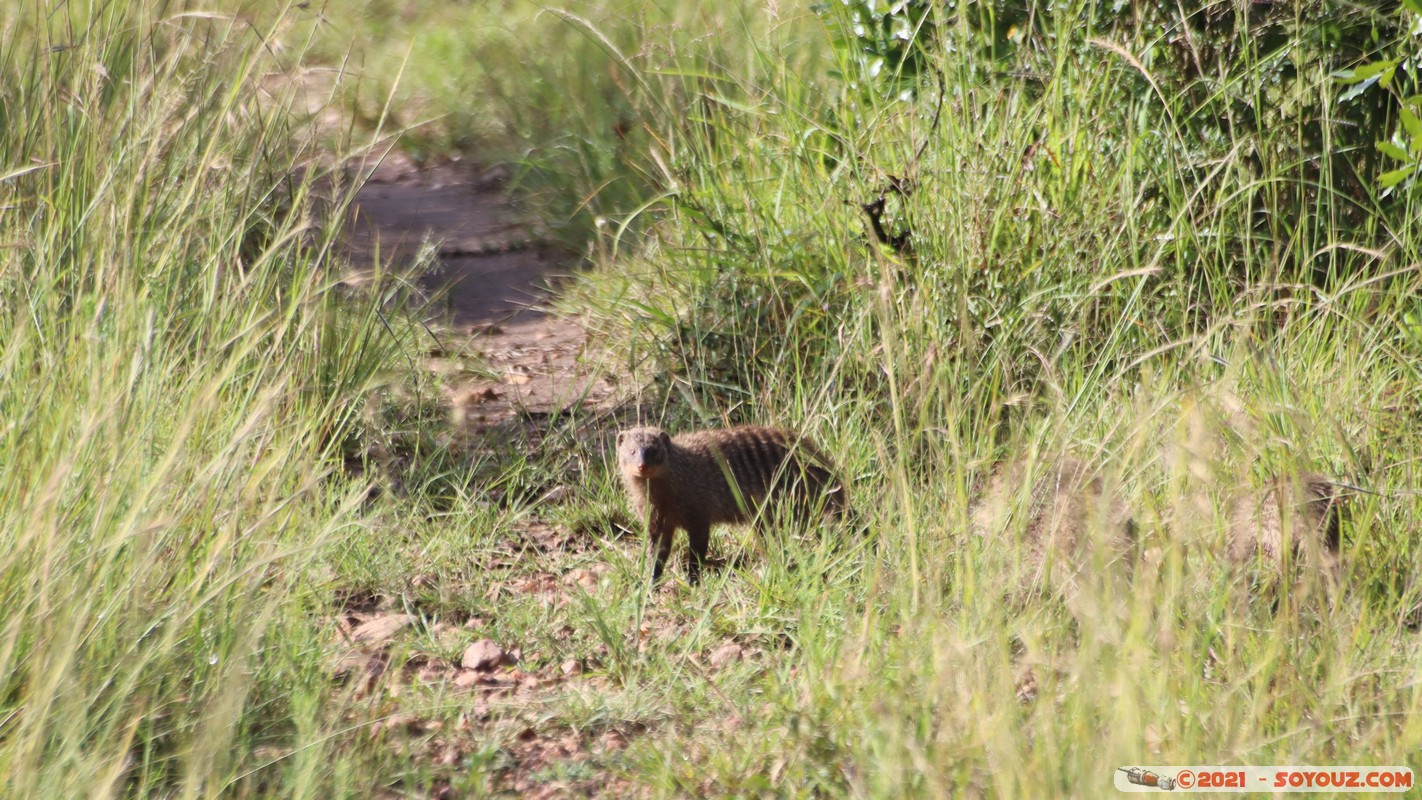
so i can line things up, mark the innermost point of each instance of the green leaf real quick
(1374, 69)
(1410, 122)
(1393, 150)
(1390, 179)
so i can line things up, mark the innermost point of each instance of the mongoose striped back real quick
(1301, 513)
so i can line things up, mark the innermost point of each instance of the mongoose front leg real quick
(699, 534)
(660, 532)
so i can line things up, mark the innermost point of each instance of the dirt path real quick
(493, 276)
(491, 264)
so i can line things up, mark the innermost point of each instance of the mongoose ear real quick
(666, 438)
(620, 435)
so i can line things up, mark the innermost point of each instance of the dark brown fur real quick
(695, 480)
(1301, 513)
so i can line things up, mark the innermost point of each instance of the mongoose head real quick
(642, 452)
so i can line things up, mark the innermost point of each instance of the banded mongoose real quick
(698, 479)
(1068, 508)
(1298, 512)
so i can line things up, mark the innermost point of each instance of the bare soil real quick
(490, 264)
(490, 281)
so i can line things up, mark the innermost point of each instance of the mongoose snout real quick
(642, 451)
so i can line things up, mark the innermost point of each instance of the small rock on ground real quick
(483, 655)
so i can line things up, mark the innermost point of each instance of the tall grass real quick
(179, 378)
(585, 99)
(1085, 275)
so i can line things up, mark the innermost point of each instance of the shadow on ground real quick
(491, 269)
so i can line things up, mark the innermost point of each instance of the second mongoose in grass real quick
(727, 475)
(1059, 508)
(1294, 516)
